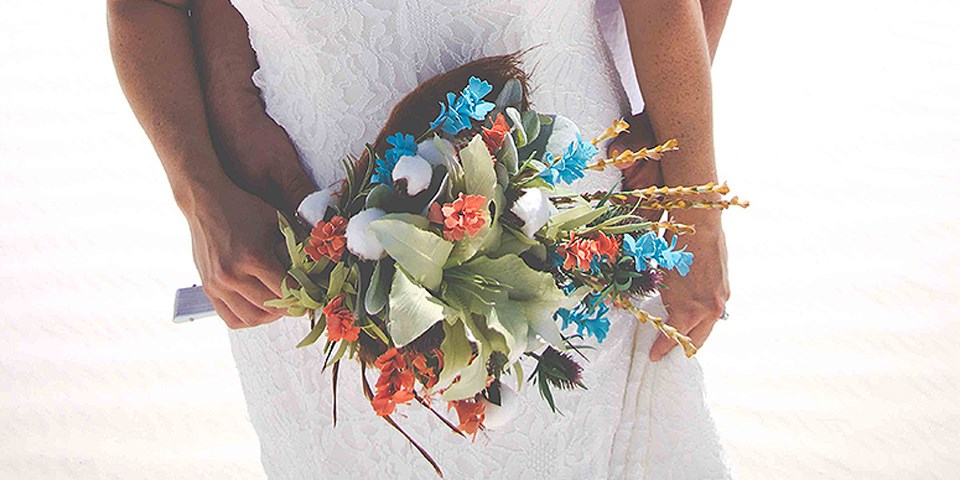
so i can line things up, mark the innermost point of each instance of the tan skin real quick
(169, 108)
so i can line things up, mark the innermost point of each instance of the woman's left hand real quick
(695, 302)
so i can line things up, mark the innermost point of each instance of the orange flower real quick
(470, 413)
(494, 136)
(340, 321)
(327, 239)
(463, 217)
(577, 252)
(395, 385)
(609, 246)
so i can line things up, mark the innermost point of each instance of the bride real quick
(328, 73)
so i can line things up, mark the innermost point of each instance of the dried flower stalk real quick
(628, 157)
(689, 349)
(620, 125)
(678, 204)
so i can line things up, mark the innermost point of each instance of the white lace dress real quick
(330, 71)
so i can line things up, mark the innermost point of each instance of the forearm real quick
(154, 58)
(672, 59)
(226, 62)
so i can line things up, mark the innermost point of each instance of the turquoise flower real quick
(456, 114)
(450, 120)
(403, 145)
(650, 247)
(570, 166)
(597, 325)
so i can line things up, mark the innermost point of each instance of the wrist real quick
(197, 189)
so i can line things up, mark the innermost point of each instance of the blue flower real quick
(472, 103)
(403, 145)
(597, 325)
(569, 167)
(650, 247)
(676, 259)
(455, 115)
(450, 120)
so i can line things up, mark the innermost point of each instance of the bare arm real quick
(232, 231)
(255, 152)
(671, 53)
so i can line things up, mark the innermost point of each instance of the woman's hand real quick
(234, 234)
(695, 302)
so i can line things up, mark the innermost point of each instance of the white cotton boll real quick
(428, 150)
(416, 171)
(534, 208)
(496, 416)
(360, 242)
(314, 207)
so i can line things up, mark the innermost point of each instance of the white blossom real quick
(314, 207)
(496, 416)
(361, 242)
(534, 208)
(416, 171)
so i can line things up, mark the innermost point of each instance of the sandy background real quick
(839, 120)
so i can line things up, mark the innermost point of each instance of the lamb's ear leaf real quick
(479, 175)
(413, 310)
(457, 352)
(511, 95)
(379, 290)
(419, 252)
(531, 125)
(508, 155)
(519, 135)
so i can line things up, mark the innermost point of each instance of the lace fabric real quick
(330, 71)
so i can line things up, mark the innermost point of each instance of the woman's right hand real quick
(234, 234)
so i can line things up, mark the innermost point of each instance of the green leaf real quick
(309, 287)
(478, 171)
(511, 95)
(315, 333)
(473, 377)
(413, 310)
(297, 256)
(531, 125)
(380, 196)
(518, 372)
(421, 253)
(508, 155)
(457, 352)
(418, 221)
(519, 136)
(379, 289)
(572, 218)
(337, 277)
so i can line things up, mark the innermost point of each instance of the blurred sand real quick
(837, 119)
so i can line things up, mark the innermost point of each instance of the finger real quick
(250, 313)
(270, 276)
(294, 186)
(700, 333)
(230, 318)
(663, 344)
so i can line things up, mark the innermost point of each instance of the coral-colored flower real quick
(494, 135)
(608, 245)
(578, 252)
(463, 217)
(435, 213)
(395, 385)
(470, 413)
(327, 239)
(340, 321)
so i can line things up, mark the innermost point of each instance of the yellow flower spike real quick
(619, 126)
(628, 156)
(689, 349)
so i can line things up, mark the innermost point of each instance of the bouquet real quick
(444, 258)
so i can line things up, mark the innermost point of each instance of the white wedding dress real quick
(330, 71)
